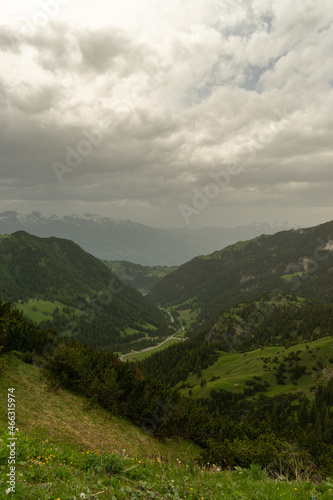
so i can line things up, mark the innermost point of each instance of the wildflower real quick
(8, 491)
(82, 495)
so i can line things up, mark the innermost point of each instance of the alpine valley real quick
(227, 360)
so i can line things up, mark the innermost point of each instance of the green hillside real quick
(269, 370)
(295, 261)
(67, 448)
(290, 435)
(278, 321)
(60, 286)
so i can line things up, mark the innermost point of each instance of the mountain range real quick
(111, 239)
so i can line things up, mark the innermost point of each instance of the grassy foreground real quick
(66, 450)
(46, 469)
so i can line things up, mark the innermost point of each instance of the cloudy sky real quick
(177, 113)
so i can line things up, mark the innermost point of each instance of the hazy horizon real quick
(273, 224)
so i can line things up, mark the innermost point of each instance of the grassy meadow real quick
(41, 310)
(144, 354)
(234, 369)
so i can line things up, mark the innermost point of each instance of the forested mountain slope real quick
(74, 292)
(296, 261)
(142, 278)
(274, 320)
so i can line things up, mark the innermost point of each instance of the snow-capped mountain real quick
(114, 239)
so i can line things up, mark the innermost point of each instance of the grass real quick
(63, 450)
(59, 471)
(187, 317)
(289, 277)
(128, 331)
(145, 354)
(187, 314)
(65, 416)
(235, 368)
(41, 310)
(182, 334)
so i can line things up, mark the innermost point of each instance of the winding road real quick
(123, 356)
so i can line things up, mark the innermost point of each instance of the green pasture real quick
(234, 369)
(142, 355)
(40, 310)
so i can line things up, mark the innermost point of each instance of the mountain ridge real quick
(115, 239)
(289, 260)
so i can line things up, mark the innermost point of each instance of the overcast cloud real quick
(129, 109)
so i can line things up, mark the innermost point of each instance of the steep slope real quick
(84, 298)
(70, 418)
(297, 261)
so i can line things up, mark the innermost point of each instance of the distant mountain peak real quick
(111, 238)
